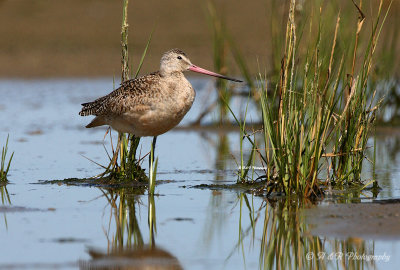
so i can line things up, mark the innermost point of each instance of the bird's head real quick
(176, 60)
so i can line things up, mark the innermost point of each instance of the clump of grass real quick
(5, 166)
(317, 120)
(129, 167)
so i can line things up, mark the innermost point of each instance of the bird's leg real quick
(152, 177)
(154, 146)
(152, 153)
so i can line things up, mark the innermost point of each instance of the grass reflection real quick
(127, 232)
(286, 242)
(5, 200)
(127, 247)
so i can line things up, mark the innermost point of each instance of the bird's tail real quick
(97, 121)
(92, 108)
(88, 109)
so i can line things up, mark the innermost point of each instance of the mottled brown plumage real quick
(149, 105)
(131, 90)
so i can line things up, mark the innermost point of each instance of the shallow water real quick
(59, 226)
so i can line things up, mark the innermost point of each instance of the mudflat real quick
(377, 220)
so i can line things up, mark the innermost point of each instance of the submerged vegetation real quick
(5, 166)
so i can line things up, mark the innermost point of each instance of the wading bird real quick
(152, 104)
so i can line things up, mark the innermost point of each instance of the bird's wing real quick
(131, 95)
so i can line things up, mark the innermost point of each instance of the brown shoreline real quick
(81, 38)
(71, 38)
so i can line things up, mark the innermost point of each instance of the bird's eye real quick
(180, 57)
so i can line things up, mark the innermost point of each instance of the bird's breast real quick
(180, 97)
(167, 108)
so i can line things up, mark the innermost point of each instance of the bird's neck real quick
(166, 73)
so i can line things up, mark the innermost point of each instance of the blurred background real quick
(81, 38)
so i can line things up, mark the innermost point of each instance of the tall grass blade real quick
(4, 166)
(144, 54)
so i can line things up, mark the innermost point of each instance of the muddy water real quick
(47, 226)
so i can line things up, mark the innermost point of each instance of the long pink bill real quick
(210, 73)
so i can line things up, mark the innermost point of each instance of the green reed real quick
(244, 167)
(317, 120)
(223, 45)
(217, 26)
(126, 149)
(5, 166)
